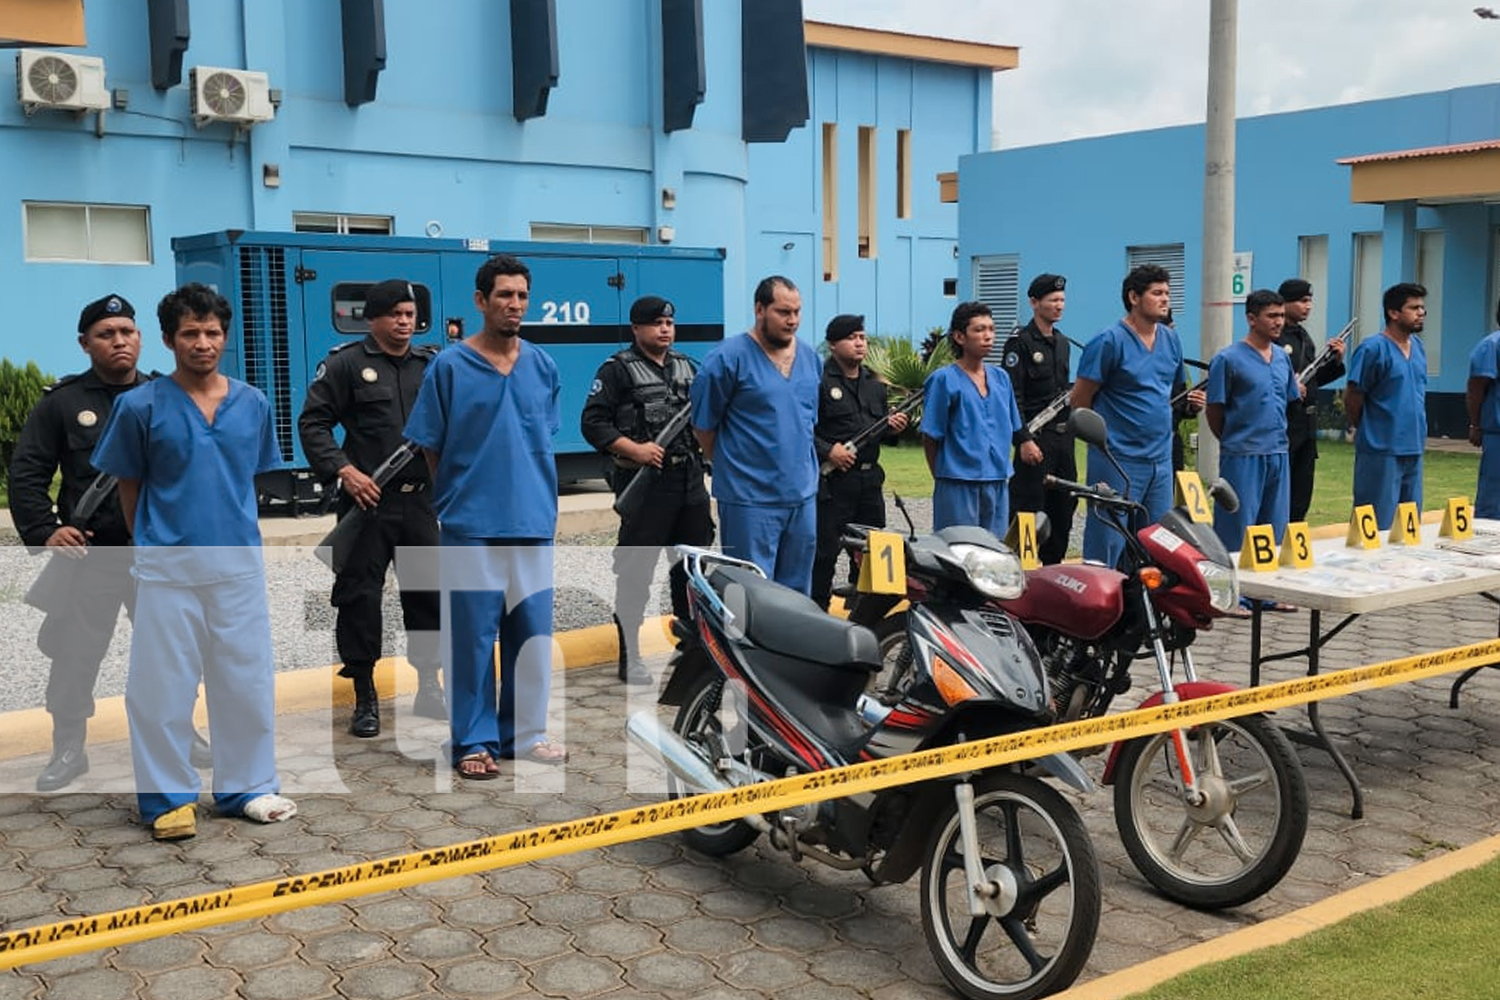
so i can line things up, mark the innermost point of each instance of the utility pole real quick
(1216, 325)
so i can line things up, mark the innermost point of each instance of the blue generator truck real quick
(298, 295)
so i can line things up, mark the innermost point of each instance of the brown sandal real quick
(477, 766)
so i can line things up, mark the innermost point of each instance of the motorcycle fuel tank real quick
(1080, 600)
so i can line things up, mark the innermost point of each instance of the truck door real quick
(333, 285)
(575, 316)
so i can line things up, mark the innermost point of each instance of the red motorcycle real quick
(1213, 815)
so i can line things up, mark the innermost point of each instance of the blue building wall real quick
(440, 150)
(1074, 207)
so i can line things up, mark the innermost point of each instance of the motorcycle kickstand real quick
(986, 895)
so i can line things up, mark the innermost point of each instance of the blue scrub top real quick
(1394, 420)
(1484, 362)
(496, 476)
(973, 432)
(1254, 393)
(196, 519)
(1135, 389)
(763, 453)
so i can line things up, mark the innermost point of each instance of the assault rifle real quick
(1052, 409)
(629, 502)
(333, 550)
(1341, 337)
(56, 578)
(877, 429)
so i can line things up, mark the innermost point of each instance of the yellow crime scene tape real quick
(57, 940)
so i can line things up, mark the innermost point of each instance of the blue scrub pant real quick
(1150, 484)
(982, 503)
(1384, 480)
(496, 590)
(1487, 496)
(220, 632)
(1263, 483)
(781, 540)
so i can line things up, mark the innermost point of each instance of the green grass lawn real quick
(1438, 943)
(1445, 474)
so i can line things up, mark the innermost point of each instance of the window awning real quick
(41, 22)
(1431, 175)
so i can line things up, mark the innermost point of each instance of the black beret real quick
(105, 308)
(387, 295)
(649, 309)
(1294, 289)
(1045, 284)
(844, 325)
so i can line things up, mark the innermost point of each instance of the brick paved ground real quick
(650, 919)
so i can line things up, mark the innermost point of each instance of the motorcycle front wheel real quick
(889, 682)
(701, 722)
(1041, 900)
(1244, 835)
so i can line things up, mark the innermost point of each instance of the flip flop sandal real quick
(478, 766)
(545, 752)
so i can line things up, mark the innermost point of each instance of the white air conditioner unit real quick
(60, 80)
(239, 96)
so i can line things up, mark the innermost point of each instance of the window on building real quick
(903, 173)
(1430, 245)
(997, 283)
(1312, 267)
(1169, 256)
(1367, 290)
(347, 225)
(830, 201)
(62, 233)
(867, 191)
(561, 232)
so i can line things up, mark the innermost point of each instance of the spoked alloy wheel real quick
(702, 725)
(1245, 835)
(1041, 905)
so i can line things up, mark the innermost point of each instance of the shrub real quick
(20, 388)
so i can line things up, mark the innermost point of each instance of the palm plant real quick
(902, 366)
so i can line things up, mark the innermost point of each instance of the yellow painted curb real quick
(29, 730)
(1279, 930)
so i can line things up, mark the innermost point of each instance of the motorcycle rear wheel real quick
(700, 723)
(1038, 931)
(888, 683)
(1242, 840)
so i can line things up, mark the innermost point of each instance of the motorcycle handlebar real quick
(1103, 491)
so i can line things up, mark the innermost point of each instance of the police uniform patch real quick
(322, 370)
(87, 418)
(1012, 359)
(1036, 357)
(368, 375)
(836, 393)
(596, 387)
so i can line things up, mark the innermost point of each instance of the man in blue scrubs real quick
(969, 423)
(1249, 387)
(1484, 420)
(1385, 398)
(1126, 374)
(755, 402)
(186, 450)
(485, 417)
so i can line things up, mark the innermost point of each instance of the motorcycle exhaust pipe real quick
(686, 764)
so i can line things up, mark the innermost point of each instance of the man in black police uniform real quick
(1302, 414)
(634, 395)
(850, 399)
(368, 387)
(1036, 359)
(60, 433)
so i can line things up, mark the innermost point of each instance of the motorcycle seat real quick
(782, 620)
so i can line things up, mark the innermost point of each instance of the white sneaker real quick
(270, 808)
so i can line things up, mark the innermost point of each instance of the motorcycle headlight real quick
(992, 572)
(1223, 585)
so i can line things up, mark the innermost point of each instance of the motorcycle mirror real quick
(1224, 495)
(1089, 428)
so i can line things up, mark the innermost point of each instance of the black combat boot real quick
(365, 722)
(69, 761)
(631, 669)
